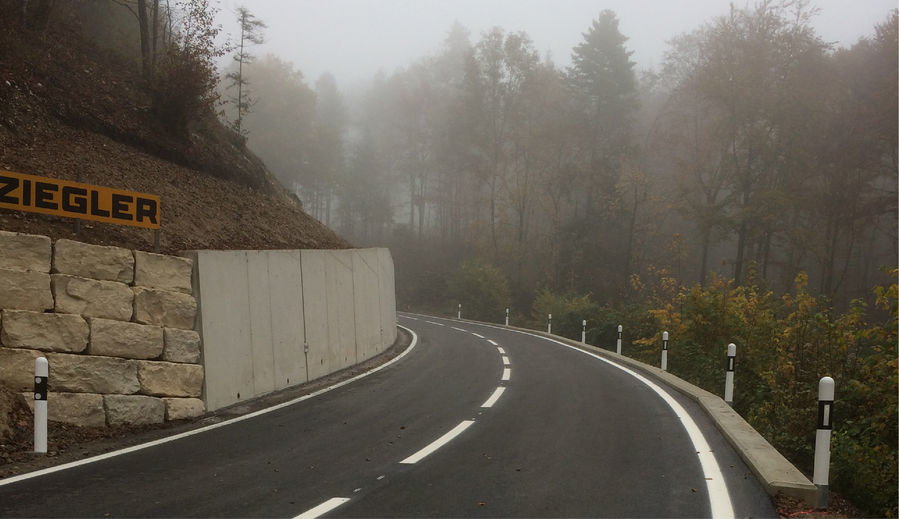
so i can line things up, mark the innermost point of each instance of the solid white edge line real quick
(507, 374)
(500, 350)
(491, 341)
(439, 442)
(506, 361)
(494, 397)
(323, 508)
(719, 497)
(135, 448)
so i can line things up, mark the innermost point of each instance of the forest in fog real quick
(756, 151)
(743, 191)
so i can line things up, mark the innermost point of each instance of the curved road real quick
(475, 421)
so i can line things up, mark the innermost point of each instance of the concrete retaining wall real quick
(257, 310)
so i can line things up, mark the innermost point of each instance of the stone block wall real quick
(116, 325)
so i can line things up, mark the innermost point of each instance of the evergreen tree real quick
(604, 89)
(602, 70)
(250, 33)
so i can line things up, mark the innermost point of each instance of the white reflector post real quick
(507, 317)
(822, 439)
(459, 313)
(618, 343)
(549, 323)
(729, 374)
(41, 381)
(584, 333)
(665, 351)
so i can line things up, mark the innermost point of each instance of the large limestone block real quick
(24, 252)
(170, 379)
(17, 368)
(93, 261)
(81, 409)
(40, 331)
(164, 307)
(90, 374)
(134, 409)
(181, 346)
(92, 298)
(22, 290)
(127, 340)
(161, 271)
(182, 408)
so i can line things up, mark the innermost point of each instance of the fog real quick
(354, 39)
(764, 147)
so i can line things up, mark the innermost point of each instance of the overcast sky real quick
(353, 39)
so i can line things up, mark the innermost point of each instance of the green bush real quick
(568, 313)
(482, 289)
(779, 363)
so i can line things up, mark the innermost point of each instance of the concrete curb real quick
(776, 474)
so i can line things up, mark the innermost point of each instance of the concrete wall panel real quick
(260, 322)
(286, 291)
(258, 307)
(367, 302)
(341, 311)
(387, 294)
(225, 326)
(315, 311)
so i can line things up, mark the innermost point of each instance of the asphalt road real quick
(475, 421)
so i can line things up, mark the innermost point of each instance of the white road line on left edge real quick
(439, 442)
(500, 350)
(478, 335)
(50, 470)
(507, 373)
(494, 397)
(491, 341)
(323, 508)
(506, 361)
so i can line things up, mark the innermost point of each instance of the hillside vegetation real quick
(72, 110)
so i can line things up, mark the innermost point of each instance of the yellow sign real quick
(75, 200)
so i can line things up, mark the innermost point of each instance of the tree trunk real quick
(240, 107)
(154, 38)
(741, 250)
(143, 22)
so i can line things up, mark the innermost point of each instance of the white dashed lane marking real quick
(323, 508)
(494, 397)
(439, 442)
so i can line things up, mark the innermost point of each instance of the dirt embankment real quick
(72, 111)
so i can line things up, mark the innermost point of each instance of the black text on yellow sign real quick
(75, 200)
